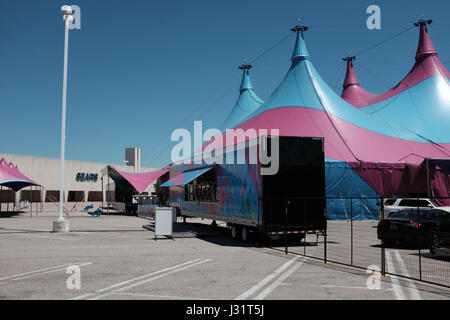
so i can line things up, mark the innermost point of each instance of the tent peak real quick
(247, 102)
(425, 47)
(300, 51)
(350, 76)
(246, 83)
(245, 66)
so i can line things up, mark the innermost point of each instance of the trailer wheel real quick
(244, 234)
(234, 232)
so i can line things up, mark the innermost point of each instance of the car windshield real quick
(413, 215)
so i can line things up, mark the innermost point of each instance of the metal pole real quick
(325, 231)
(42, 199)
(286, 229)
(108, 193)
(428, 178)
(63, 118)
(418, 240)
(383, 252)
(103, 195)
(351, 231)
(31, 202)
(304, 225)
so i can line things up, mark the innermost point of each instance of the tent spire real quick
(300, 51)
(425, 47)
(247, 102)
(246, 83)
(352, 91)
(350, 76)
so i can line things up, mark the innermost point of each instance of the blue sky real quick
(140, 69)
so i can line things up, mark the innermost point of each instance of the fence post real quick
(351, 231)
(31, 202)
(286, 226)
(418, 240)
(325, 231)
(304, 224)
(383, 253)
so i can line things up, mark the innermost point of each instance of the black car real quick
(429, 228)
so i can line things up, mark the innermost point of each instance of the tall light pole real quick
(62, 225)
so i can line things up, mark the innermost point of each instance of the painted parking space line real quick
(278, 281)
(398, 291)
(139, 283)
(335, 287)
(35, 273)
(131, 283)
(153, 296)
(46, 235)
(277, 273)
(414, 293)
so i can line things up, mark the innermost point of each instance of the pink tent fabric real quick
(11, 177)
(140, 181)
(440, 183)
(427, 65)
(353, 93)
(405, 179)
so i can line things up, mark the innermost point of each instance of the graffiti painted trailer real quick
(292, 201)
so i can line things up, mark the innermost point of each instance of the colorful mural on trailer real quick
(239, 189)
(185, 177)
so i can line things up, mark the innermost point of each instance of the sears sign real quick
(87, 177)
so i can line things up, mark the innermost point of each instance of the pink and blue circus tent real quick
(419, 102)
(185, 177)
(247, 102)
(361, 150)
(139, 180)
(11, 177)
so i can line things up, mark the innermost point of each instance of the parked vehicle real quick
(427, 227)
(249, 201)
(393, 205)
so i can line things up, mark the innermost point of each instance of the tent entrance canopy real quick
(186, 177)
(17, 185)
(126, 181)
(12, 178)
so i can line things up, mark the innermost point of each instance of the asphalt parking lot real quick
(119, 259)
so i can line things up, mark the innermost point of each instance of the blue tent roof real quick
(419, 102)
(247, 102)
(304, 87)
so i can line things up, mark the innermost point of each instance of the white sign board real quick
(163, 221)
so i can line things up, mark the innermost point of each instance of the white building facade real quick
(83, 181)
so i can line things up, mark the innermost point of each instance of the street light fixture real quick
(62, 225)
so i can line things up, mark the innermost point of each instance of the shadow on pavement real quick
(9, 214)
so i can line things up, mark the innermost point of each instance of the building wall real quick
(46, 172)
